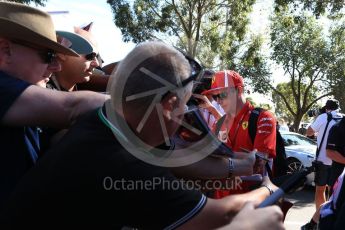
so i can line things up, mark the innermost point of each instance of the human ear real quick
(169, 104)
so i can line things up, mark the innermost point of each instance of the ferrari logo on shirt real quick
(244, 124)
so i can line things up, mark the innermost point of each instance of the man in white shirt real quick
(322, 174)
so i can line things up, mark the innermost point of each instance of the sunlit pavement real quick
(302, 210)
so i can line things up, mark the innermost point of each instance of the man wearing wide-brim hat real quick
(28, 48)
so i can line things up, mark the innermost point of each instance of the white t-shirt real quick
(319, 126)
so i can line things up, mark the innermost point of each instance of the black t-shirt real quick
(86, 181)
(336, 141)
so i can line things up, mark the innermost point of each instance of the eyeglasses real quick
(91, 56)
(48, 56)
(224, 95)
(220, 96)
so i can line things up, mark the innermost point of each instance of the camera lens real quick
(310, 113)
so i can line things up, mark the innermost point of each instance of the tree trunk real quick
(297, 121)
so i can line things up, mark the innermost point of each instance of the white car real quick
(283, 128)
(300, 153)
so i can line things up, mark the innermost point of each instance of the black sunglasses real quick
(224, 95)
(220, 96)
(92, 56)
(48, 56)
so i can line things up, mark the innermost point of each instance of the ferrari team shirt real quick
(265, 139)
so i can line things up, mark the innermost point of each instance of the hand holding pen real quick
(257, 154)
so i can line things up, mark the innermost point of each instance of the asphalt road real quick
(302, 210)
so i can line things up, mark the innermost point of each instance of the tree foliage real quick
(260, 105)
(308, 59)
(285, 89)
(37, 2)
(336, 79)
(189, 20)
(318, 7)
(208, 29)
(214, 31)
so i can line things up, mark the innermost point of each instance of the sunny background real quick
(66, 14)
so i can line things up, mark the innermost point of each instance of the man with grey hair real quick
(92, 168)
(126, 88)
(135, 107)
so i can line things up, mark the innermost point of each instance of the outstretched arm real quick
(217, 167)
(218, 213)
(45, 107)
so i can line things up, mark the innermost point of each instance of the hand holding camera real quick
(316, 112)
(203, 101)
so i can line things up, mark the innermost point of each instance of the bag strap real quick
(252, 128)
(219, 124)
(252, 123)
(329, 118)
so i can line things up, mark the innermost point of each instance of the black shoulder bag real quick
(318, 165)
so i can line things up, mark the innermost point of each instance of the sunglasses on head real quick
(91, 56)
(47, 55)
(196, 70)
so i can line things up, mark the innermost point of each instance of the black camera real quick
(193, 101)
(186, 136)
(204, 82)
(316, 112)
(331, 104)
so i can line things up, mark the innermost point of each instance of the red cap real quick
(224, 79)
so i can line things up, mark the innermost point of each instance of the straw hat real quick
(21, 22)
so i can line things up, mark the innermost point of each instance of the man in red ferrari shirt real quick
(228, 89)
